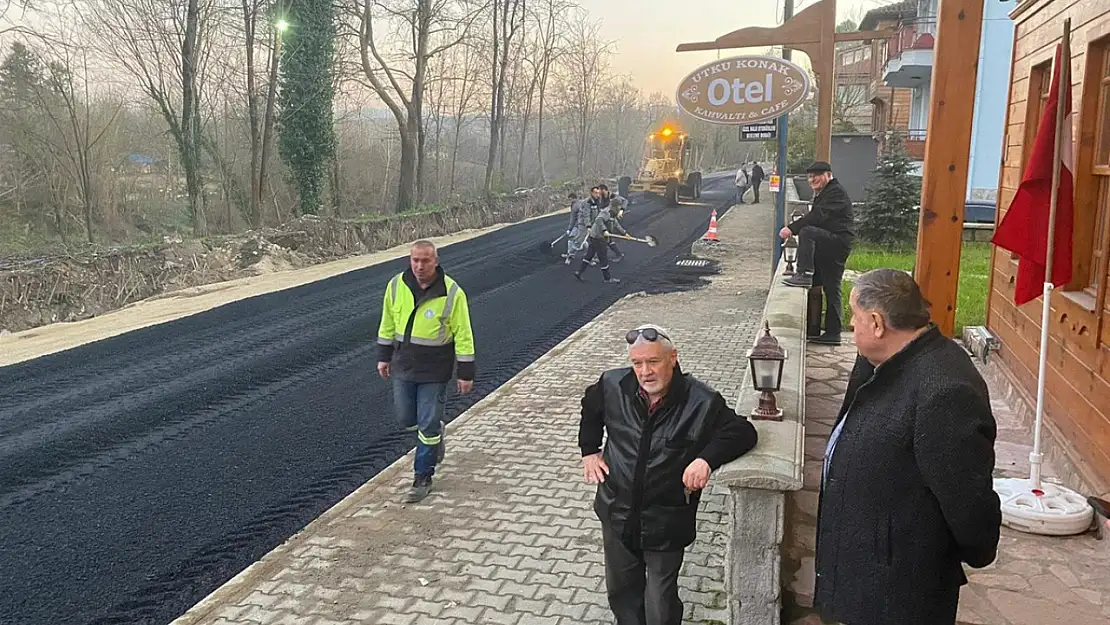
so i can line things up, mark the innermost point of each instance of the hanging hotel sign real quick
(743, 90)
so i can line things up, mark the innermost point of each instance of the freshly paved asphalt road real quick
(139, 473)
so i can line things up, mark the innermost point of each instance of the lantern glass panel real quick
(766, 374)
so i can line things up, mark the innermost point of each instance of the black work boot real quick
(804, 280)
(421, 486)
(828, 338)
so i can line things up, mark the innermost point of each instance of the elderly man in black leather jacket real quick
(667, 432)
(825, 235)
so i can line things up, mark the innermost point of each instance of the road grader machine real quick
(668, 167)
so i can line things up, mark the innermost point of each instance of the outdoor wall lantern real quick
(765, 361)
(790, 253)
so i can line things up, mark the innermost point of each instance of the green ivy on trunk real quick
(306, 123)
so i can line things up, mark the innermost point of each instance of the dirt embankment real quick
(44, 290)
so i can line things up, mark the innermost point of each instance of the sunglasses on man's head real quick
(649, 334)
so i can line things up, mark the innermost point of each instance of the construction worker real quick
(616, 208)
(605, 197)
(425, 330)
(579, 224)
(598, 244)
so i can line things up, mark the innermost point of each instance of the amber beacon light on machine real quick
(669, 166)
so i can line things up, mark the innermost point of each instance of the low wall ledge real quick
(778, 458)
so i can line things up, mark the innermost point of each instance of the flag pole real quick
(1035, 456)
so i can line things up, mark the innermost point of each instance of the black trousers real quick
(755, 190)
(824, 255)
(642, 586)
(596, 248)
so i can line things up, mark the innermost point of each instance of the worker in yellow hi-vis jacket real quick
(425, 330)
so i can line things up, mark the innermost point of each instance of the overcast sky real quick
(647, 32)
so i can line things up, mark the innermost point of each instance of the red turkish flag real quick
(1024, 229)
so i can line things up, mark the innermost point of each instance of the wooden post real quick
(947, 148)
(824, 65)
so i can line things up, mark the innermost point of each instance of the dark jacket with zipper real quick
(832, 211)
(643, 499)
(908, 494)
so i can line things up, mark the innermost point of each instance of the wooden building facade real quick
(1078, 377)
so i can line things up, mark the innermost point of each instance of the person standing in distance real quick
(666, 433)
(424, 331)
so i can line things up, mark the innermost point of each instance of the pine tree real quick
(307, 122)
(888, 217)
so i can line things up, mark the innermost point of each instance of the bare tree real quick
(851, 103)
(166, 51)
(429, 29)
(465, 90)
(79, 131)
(507, 21)
(260, 124)
(534, 60)
(549, 19)
(584, 65)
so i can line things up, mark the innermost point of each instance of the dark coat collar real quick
(927, 341)
(438, 287)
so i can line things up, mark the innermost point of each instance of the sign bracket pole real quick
(780, 197)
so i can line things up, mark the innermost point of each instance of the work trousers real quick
(420, 407)
(741, 189)
(824, 255)
(576, 241)
(642, 585)
(597, 248)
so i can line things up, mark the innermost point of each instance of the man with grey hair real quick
(906, 490)
(423, 337)
(666, 433)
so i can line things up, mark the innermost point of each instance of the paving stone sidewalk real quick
(509, 535)
(1036, 580)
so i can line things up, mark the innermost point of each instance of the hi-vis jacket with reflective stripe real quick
(423, 332)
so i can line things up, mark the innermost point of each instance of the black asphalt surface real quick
(139, 473)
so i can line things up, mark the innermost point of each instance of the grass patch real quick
(971, 296)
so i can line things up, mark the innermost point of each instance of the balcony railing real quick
(918, 33)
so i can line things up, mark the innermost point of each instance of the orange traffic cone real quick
(711, 234)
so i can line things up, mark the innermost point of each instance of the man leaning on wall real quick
(665, 433)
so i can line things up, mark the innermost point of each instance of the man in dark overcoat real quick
(906, 491)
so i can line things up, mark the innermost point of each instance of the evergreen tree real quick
(888, 217)
(307, 122)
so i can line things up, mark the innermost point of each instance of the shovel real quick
(650, 240)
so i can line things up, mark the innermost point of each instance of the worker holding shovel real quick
(597, 241)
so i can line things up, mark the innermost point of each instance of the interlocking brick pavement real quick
(509, 535)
